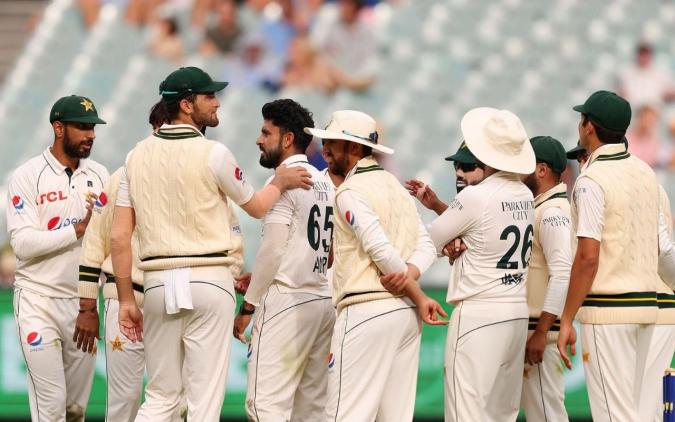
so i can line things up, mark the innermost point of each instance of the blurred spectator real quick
(305, 70)
(645, 82)
(279, 28)
(7, 267)
(141, 12)
(349, 41)
(165, 41)
(223, 34)
(643, 137)
(89, 9)
(251, 68)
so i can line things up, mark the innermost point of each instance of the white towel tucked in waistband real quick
(177, 293)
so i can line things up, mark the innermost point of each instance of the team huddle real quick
(333, 295)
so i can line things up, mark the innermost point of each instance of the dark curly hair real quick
(289, 116)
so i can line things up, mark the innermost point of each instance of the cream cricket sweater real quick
(538, 273)
(665, 297)
(95, 256)
(182, 217)
(624, 288)
(356, 278)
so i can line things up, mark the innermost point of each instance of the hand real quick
(534, 349)
(422, 192)
(292, 177)
(567, 336)
(86, 329)
(81, 227)
(395, 283)
(240, 324)
(428, 310)
(241, 283)
(454, 249)
(131, 321)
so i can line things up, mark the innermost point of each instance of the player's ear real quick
(287, 139)
(59, 129)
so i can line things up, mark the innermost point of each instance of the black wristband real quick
(87, 310)
(243, 311)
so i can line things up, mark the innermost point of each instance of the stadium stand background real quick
(434, 61)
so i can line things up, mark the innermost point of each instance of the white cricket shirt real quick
(495, 220)
(309, 216)
(44, 203)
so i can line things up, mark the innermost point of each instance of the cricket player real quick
(662, 345)
(47, 215)
(543, 394)
(579, 154)
(488, 328)
(467, 173)
(294, 316)
(125, 360)
(175, 191)
(614, 279)
(380, 245)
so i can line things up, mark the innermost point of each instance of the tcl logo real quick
(52, 197)
(56, 223)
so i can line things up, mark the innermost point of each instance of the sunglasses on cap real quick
(466, 167)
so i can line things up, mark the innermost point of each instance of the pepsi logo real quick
(238, 174)
(331, 360)
(349, 216)
(17, 202)
(250, 351)
(34, 338)
(53, 223)
(102, 200)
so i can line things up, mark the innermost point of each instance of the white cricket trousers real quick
(372, 367)
(199, 338)
(124, 365)
(543, 397)
(59, 374)
(287, 366)
(484, 358)
(659, 358)
(615, 357)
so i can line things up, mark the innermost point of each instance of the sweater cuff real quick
(88, 282)
(87, 290)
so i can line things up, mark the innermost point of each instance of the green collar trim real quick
(178, 133)
(612, 157)
(562, 195)
(375, 167)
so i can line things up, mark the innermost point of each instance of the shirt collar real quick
(364, 162)
(607, 150)
(179, 129)
(60, 168)
(560, 190)
(296, 158)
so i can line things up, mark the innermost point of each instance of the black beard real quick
(531, 183)
(271, 159)
(72, 150)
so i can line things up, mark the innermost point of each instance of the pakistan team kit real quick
(47, 199)
(353, 358)
(287, 368)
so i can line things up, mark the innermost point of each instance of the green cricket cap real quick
(187, 80)
(550, 151)
(75, 108)
(574, 152)
(608, 110)
(463, 155)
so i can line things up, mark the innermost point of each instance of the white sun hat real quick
(498, 139)
(352, 126)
